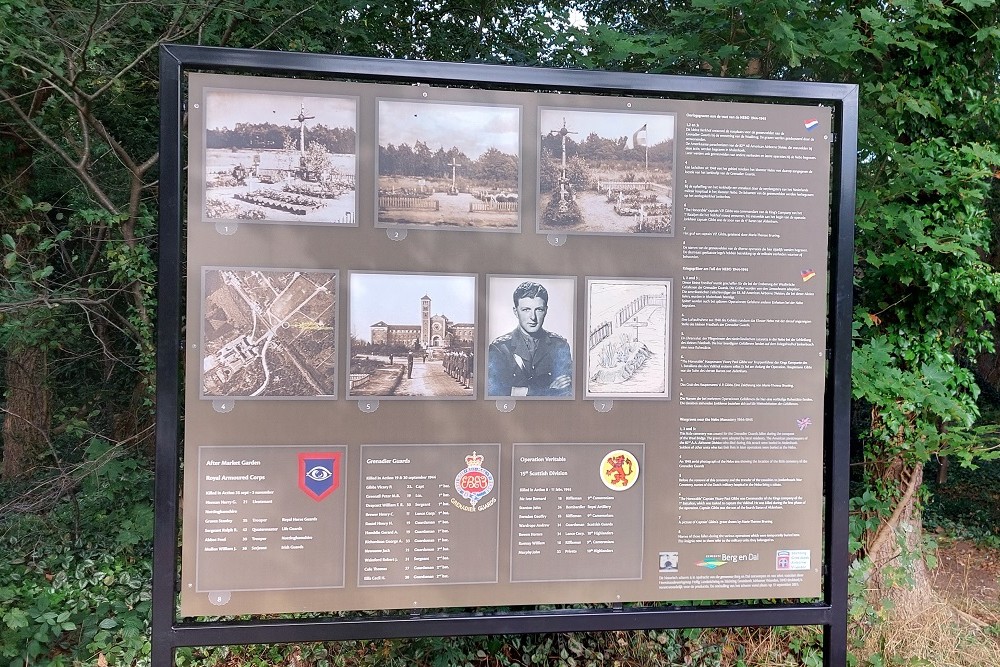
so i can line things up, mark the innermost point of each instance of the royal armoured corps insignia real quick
(319, 473)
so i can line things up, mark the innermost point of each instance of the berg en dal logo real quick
(715, 561)
(474, 482)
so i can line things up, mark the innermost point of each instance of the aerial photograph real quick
(269, 333)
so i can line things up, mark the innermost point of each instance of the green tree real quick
(497, 168)
(928, 74)
(926, 299)
(78, 129)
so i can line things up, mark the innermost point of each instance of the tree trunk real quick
(27, 416)
(899, 571)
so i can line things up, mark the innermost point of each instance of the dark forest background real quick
(78, 290)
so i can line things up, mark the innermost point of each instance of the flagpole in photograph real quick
(302, 118)
(641, 141)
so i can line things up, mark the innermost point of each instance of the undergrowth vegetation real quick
(78, 188)
(75, 582)
(966, 505)
(664, 648)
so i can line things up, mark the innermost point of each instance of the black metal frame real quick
(831, 612)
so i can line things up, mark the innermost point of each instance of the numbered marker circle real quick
(219, 598)
(619, 470)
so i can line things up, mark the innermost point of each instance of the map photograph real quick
(627, 337)
(269, 333)
(606, 172)
(413, 335)
(285, 158)
(449, 166)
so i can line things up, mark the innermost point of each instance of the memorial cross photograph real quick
(606, 172)
(283, 158)
(449, 166)
(413, 335)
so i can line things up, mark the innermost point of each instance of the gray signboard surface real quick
(682, 249)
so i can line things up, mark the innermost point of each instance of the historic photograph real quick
(413, 335)
(531, 332)
(449, 166)
(269, 333)
(285, 158)
(628, 324)
(606, 172)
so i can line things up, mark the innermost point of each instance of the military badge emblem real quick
(619, 470)
(319, 473)
(474, 481)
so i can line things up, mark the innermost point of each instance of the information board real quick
(458, 346)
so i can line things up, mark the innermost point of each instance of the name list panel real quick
(577, 512)
(270, 518)
(429, 514)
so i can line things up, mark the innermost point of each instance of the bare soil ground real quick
(968, 576)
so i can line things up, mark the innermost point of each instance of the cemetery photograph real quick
(448, 166)
(282, 158)
(606, 172)
(413, 335)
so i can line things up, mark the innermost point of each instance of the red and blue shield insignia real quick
(319, 473)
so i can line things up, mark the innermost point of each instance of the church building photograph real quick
(433, 332)
(412, 335)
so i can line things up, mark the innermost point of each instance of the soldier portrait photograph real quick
(531, 329)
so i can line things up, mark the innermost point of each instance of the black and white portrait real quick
(531, 333)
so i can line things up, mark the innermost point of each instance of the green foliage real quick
(77, 102)
(75, 583)
(691, 648)
(965, 505)
(925, 298)
(789, 39)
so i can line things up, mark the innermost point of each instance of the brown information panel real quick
(450, 347)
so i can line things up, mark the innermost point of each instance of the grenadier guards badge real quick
(474, 482)
(319, 473)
